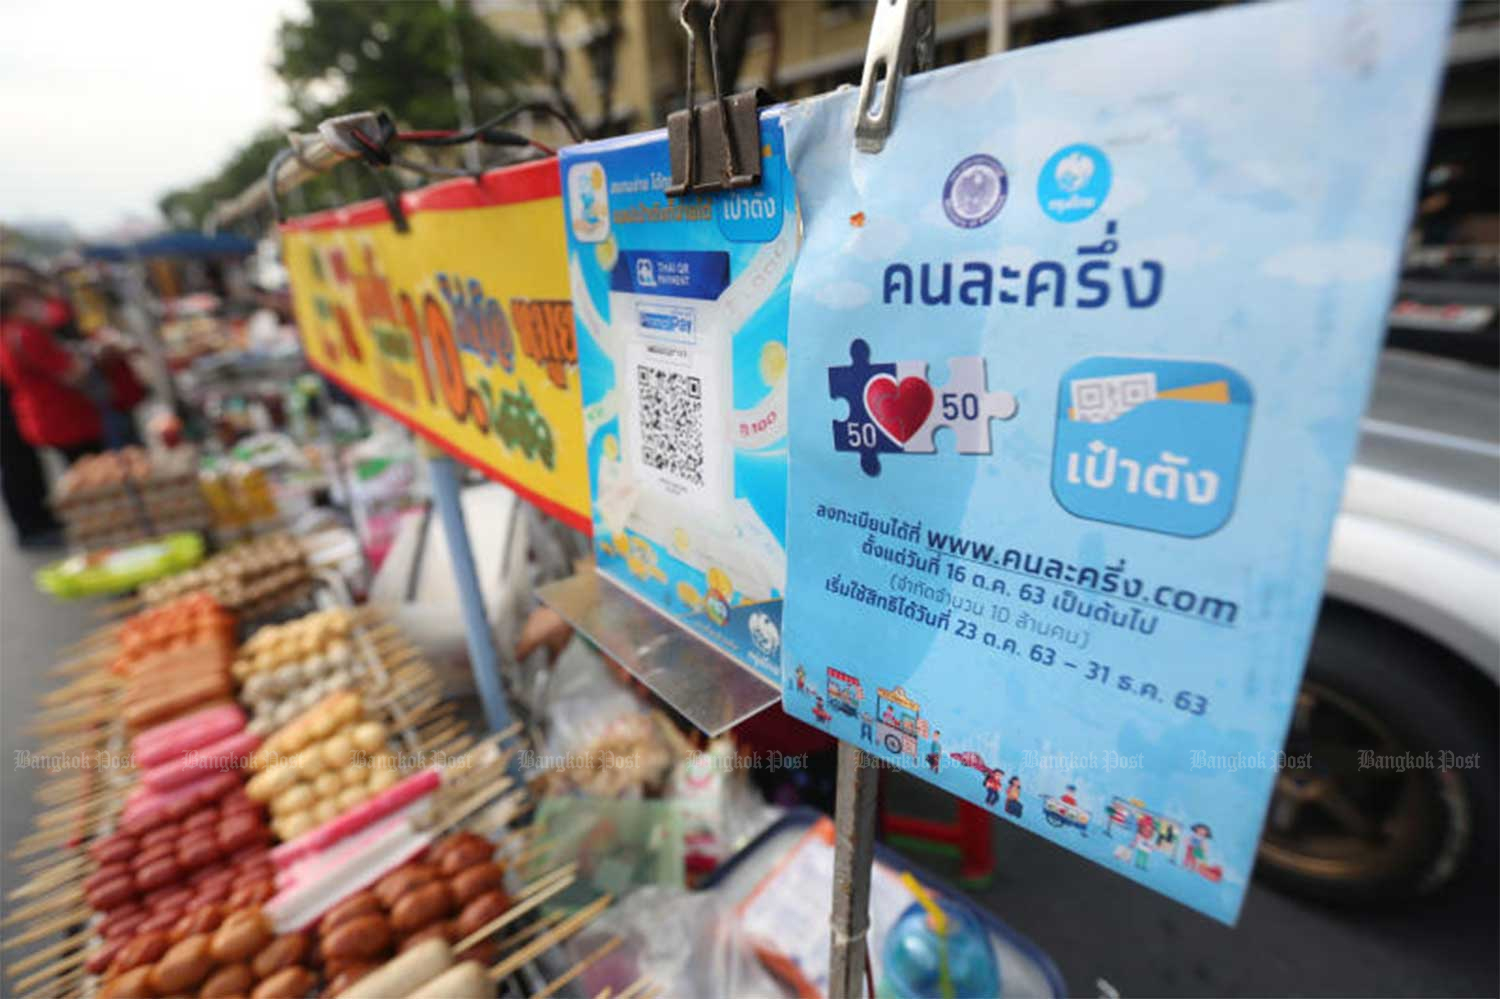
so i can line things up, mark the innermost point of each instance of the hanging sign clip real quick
(901, 37)
(367, 135)
(714, 146)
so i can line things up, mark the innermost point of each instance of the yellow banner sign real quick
(460, 328)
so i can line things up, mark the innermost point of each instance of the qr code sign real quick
(671, 421)
(1099, 400)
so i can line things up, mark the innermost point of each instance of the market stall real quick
(1008, 583)
(263, 815)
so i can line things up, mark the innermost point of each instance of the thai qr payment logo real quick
(895, 409)
(1154, 444)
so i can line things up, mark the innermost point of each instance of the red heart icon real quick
(899, 410)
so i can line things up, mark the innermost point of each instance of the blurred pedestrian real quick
(24, 484)
(46, 376)
(111, 381)
(115, 389)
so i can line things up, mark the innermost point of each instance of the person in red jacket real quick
(45, 376)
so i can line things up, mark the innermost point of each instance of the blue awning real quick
(174, 244)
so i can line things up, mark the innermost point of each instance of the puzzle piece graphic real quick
(858, 432)
(964, 405)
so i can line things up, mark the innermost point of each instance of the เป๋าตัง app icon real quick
(1149, 443)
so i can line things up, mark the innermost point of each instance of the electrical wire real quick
(428, 169)
(375, 151)
(488, 131)
(272, 169)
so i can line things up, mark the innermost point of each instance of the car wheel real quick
(1387, 788)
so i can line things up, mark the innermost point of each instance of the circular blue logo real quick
(975, 191)
(1074, 182)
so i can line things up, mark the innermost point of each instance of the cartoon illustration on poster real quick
(681, 311)
(460, 328)
(1074, 389)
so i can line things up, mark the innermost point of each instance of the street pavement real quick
(32, 630)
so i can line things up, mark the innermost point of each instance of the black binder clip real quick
(714, 146)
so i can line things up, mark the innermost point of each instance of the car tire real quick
(1410, 824)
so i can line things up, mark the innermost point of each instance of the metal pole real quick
(902, 37)
(335, 460)
(999, 39)
(314, 156)
(461, 96)
(483, 659)
(853, 854)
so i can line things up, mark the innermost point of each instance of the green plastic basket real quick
(112, 571)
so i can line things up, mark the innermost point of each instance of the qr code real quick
(1099, 400)
(671, 421)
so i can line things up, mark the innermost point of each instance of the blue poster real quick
(1077, 364)
(680, 305)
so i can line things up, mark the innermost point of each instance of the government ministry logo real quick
(975, 191)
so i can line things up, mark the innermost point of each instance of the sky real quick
(107, 104)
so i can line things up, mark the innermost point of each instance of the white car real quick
(1397, 709)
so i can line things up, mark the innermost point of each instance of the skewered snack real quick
(171, 740)
(226, 951)
(377, 807)
(452, 892)
(465, 980)
(227, 753)
(409, 972)
(177, 856)
(101, 499)
(250, 579)
(285, 669)
(176, 660)
(167, 624)
(191, 846)
(434, 968)
(323, 763)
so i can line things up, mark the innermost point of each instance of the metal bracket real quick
(392, 199)
(901, 40)
(338, 131)
(714, 146)
(367, 135)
